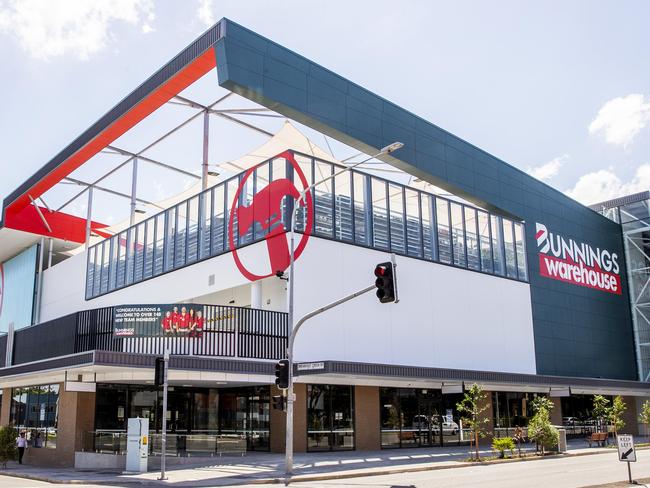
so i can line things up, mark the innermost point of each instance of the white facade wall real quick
(447, 317)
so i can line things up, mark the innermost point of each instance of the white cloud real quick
(205, 13)
(47, 28)
(548, 170)
(604, 184)
(621, 119)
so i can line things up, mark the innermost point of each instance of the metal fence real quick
(354, 207)
(228, 332)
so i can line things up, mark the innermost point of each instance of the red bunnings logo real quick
(576, 262)
(266, 210)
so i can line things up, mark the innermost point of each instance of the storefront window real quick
(246, 411)
(330, 418)
(577, 415)
(190, 412)
(34, 410)
(419, 418)
(511, 410)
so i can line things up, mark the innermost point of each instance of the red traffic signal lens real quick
(381, 271)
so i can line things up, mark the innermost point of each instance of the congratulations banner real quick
(174, 320)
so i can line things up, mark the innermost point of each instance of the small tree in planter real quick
(503, 444)
(644, 416)
(472, 408)
(615, 415)
(540, 428)
(8, 449)
(600, 410)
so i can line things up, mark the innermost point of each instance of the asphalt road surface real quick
(573, 472)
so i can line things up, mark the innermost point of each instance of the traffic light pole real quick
(292, 245)
(292, 338)
(164, 419)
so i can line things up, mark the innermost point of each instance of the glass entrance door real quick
(430, 418)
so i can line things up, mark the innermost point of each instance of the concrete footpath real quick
(265, 468)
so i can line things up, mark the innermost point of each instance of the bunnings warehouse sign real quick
(175, 320)
(577, 263)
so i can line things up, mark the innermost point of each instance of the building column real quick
(5, 408)
(630, 416)
(76, 415)
(256, 294)
(366, 418)
(489, 427)
(556, 413)
(279, 421)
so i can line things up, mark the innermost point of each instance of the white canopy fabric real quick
(288, 137)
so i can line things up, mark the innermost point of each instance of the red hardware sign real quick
(265, 210)
(577, 263)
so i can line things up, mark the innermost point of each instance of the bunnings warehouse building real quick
(503, 281)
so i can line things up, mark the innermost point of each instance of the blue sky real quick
(559, 89)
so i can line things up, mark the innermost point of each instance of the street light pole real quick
(300, 201)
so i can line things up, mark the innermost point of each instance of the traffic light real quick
(282, 374)
(278, 402)
(159, 375)
(385, 282)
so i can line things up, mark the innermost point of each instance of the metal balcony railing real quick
(355, 207)
(228, 332)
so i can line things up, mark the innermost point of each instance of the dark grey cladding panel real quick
(72, 361)
(3, 350)
(459, 375)
(191, 363)
(595, 327)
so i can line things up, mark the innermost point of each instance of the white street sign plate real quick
(626, 450)
(310, 366)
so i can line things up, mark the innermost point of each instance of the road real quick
(572, 472)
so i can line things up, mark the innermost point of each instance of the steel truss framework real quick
(637, 250)
(133, 158)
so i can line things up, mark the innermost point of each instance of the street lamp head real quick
(392, 147)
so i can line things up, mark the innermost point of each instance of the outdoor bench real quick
(600, 438)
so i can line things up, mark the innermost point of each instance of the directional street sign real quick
(626, 450)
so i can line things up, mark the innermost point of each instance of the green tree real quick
(644, 416)
(503, 444)
(540, 428)
(615, 415)
(600, 410)
(472, 409)
(7, 444)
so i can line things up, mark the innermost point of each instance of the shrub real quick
(540, 428)
(615, 415)
(7, 444)
(503, 444)
(472, 409)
